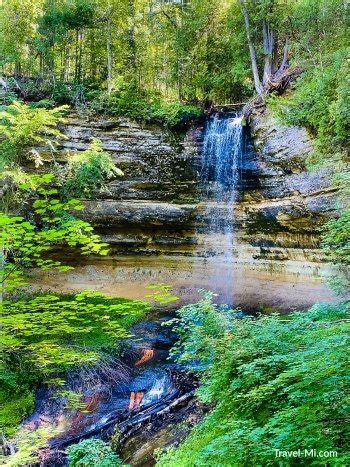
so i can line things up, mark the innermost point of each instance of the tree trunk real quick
(76, 55)
(93, 67)
(269, 46)
(109, 49)
(18, 68)
(80, 60)
(131, 37)
(109, 60)
(284, 62)
(257, 82)
(65, 71)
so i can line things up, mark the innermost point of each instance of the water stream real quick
(132, 399)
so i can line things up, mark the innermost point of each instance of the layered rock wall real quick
(155, 217)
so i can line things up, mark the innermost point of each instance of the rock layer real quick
(155, 217)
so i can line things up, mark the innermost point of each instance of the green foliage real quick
(17, 29)
(133, 102)
(76, 14)
(321, 103)
(52, 334)
(278, 383)
(92, 453)
(162, 294)
(14, 409)
(27, 243)
(18, 377)
(336, 242)
(58, 332)
(27, 444)
(73, 400)
(86, 172)
(23, 127)
(336, 237)
(186, 51)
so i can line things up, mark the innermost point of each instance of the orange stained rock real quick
(135, 399)
(146, 354)
(132, 400)
(139, 397)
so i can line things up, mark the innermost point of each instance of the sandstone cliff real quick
(155, 216)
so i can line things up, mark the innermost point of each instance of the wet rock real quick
(139, 450)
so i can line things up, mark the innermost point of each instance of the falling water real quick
(221, 155)
(159, 388)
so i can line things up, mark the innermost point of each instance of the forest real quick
(117, 207)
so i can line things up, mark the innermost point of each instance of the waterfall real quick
(220, 161)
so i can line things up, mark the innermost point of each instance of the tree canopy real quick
(184, 50)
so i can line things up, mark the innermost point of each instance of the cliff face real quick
(155, 217)
(284, 215)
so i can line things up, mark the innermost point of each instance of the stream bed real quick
(139, 402)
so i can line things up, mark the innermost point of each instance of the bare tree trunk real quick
(109, 50)
(67, 64)
(65, 71)
(257, 82)
(109, 61)
(268, 42)
(76, 54)
(18, 68)
(284, 62)
(93, 69)
(41, 64)
(62, 62)
(80, 61)
(131, 37)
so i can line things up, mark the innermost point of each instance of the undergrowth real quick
(278, 382)
(48, 335)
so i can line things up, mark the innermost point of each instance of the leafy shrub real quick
(130, 101)
(161, 294)
(23, 127)
(336, 237)
(55, 92)
(279, 382)
(26, 243)
(7, 97)
(54, 332)
(87, 171)
(336, 242)
(92, 453)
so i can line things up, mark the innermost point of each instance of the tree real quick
(64, 22)
(17, 30)
(257, 82)
(271, 15)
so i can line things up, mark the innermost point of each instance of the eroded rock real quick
(156, 216)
